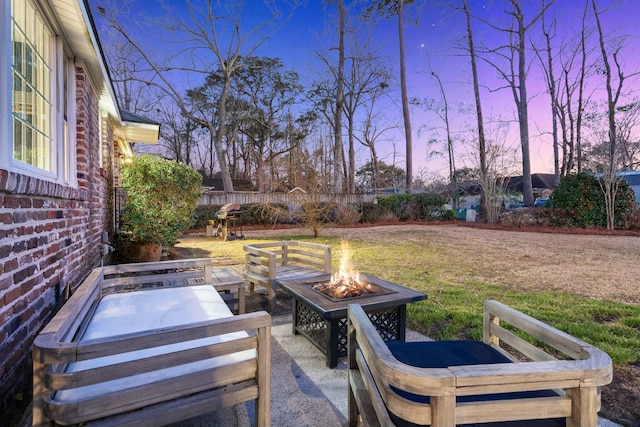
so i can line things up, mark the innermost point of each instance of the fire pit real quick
(322, 318)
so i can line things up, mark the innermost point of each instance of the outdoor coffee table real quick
(323, 320)
(229, 282)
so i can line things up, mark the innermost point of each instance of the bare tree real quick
(610, 179)
(550, 79)
(371, 132)
(500, 162)
(443, 112)
(470, 47)
(213, 34)
(338, 154)
(572, 99)
(124, 65)
(514, 52)
(388, 8)
(177, 133)
(628, 135)
(367, 79)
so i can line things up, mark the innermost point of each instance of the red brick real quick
(11, 202)
(6, 218)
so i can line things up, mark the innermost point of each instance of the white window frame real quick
(63, 146)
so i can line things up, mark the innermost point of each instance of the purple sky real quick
(431, 42)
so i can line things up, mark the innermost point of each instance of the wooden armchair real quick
(443, 384)
(269, 262)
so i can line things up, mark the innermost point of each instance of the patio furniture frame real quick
(375, 376)
(269, 262)
(170, 398)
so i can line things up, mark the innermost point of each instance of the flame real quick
(347, 276)
(346, 282)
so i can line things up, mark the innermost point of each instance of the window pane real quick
(31, 74)
(18, 139)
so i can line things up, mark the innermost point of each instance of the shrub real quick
(429, 206)
(348, 214)
(448, 215)
(582, 197)
(371, 212)
(631, 218)
(266, 214)
(161, 198)
(204, 214)
(397, 205)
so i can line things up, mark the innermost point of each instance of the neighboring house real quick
(539, 181)
(61, 138)
(633, 179)
(215, 184)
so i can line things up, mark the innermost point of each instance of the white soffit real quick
(141, 132)
(79, 34)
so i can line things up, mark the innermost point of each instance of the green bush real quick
(204, 214)
(448, 215)
(370, 212)
(581, 196)
(396, 204)
(429, 206)
(161, 198)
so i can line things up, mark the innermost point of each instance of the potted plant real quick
(161, 199)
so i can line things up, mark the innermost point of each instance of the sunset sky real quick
(432, 39)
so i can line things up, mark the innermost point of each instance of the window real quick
(30, 73)
(41, 83)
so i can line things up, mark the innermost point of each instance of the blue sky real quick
(431, 40)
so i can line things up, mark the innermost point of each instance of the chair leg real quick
(443, 411)
(584, 407)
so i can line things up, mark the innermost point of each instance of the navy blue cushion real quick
(442, 354)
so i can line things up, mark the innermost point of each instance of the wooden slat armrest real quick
(386, 367)
(153, 266)
(256, 252)
(590, 365)
(559, 340)
(65, 324)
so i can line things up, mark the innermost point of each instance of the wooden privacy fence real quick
(219, 198)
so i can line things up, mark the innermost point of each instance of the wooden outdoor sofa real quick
(269, 262)
(137, 345)
(447, 383)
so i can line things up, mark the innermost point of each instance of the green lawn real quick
(453, 310)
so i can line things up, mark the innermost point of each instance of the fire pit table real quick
(323, 319)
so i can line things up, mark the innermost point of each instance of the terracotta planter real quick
(144, 252)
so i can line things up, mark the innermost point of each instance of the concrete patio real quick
(304, 392)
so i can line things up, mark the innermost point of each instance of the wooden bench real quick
(269, 262)
(472, 382)
(136, 345)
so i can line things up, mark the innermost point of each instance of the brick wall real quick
(50, 238)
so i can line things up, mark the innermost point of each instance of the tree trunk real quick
(405, 100)
(351, 179)
(554, 105)
(482, 151)
(610, 183)
(337, 148)
(221, 153)
(523, 115)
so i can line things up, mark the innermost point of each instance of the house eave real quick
(78, 30)
(141, 132)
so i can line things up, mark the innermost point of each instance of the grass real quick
(456, 290)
